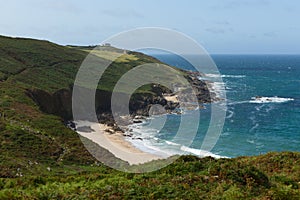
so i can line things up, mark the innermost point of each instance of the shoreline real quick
(122, 145)
(114, 142)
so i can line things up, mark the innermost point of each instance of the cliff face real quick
(60, 102)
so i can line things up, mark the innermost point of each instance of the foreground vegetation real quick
(42, 159)
(270, 176)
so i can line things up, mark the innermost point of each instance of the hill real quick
(35, 101)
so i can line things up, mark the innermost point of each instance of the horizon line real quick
(91, 45)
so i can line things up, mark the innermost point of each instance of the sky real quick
(220, 26)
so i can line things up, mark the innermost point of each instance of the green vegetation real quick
(50, 67)
(42, 159)
(188, 178)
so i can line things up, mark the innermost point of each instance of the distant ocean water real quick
(252, 126)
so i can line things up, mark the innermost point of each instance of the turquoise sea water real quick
(251, 127)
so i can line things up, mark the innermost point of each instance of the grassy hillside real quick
(50, 67)
(42, 159)
(28, 135)
(39, 74)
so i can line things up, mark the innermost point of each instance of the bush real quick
(233, 193)
(283, 192)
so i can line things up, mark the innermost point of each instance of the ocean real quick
(252, 126)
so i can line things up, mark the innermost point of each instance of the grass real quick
(119, 57)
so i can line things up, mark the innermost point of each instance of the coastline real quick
(114, 141)
(172, 149)
(133, 150)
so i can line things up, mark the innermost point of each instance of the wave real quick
(231, 113)
(233, 76)
(213, 75)
(218, 88)
(236, 102)
(146, 146)
(225, 134)
(172, 143)
(270, 99)
(197, 152)
(258, 100)
(150, 142)
(258, 108)
(200, 153)
(268, 109)
(224, 76)
(250, 141)
(254, 127)
(164, 148)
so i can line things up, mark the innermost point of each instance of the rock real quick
(86, 129)
(139, 117)
(71, 125)
(117, 129)
(110, 130)
(127, 135)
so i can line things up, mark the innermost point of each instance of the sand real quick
(114, 142)
(172, 98)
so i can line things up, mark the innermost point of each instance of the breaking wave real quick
(224, 76)
(270, 99)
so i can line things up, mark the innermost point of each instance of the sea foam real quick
(200, 153)
(224, 76)
(270, 99)
(165, 148)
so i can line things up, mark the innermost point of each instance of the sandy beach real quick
(114, 142)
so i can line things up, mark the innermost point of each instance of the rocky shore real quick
(59, 103)
(140, 106)
(139, 109)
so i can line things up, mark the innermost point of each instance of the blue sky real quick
(220, 26)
